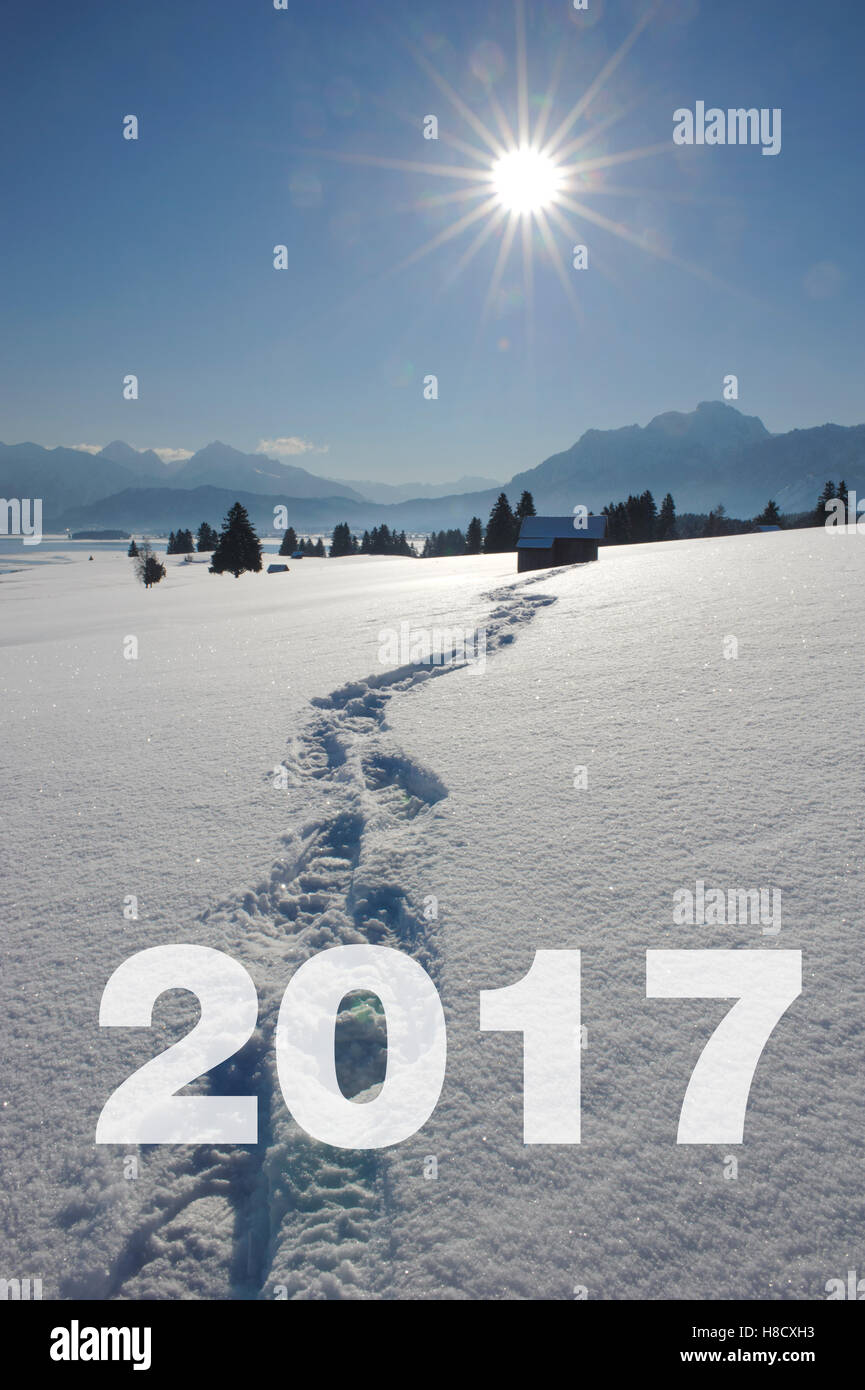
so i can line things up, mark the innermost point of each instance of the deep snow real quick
(155, 777)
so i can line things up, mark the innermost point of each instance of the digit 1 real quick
(545, 1007)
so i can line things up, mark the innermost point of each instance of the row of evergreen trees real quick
(180, 543)
(639, 519)
(503, 527)
(382, 541)
(235, 549)
(829, 494)
(183, 543)
(454, 542)
(292, 546)
(501, 533)
(308, 547)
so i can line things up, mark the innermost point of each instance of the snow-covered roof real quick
(539, 532)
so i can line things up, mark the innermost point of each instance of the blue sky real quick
(156, 256)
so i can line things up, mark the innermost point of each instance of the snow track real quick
(291, 1217)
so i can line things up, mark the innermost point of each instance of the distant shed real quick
(277, 569)
(546, 541)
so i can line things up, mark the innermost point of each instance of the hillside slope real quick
(155, 777)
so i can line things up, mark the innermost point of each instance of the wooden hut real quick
(546, 541)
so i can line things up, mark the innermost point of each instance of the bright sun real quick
(525, 180)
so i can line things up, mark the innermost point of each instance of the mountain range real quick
(709, 455)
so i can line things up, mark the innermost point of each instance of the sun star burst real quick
(520, 185)
(525, 180)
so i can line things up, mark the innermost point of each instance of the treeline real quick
(636, 520)
(99, 536)
(454, 541)
(503, 527)
(235, 549)
(381, 541)
(184, 543)
(500, 533)
(831, 493)
(292, 546)
(639, 519)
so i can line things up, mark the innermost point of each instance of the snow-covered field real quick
(262, 783)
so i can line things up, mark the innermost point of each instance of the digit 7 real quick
(764, 984)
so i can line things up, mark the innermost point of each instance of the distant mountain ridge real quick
(143, 462)
(674, 452)
(61, 477)
(219, 465)
(712, 454)
(406, 492)
(164, 509)
(70, 478)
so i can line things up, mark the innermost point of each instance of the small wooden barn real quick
(546, 541)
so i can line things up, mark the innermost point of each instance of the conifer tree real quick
(289, 541)
(439, 543)
(828, 493)
(666, 526)
(341, 540)
(770, 516)
(133, 548)
(474, 536)
(716, 522)
(239, 548)
(617, 523)
(525, 507)
(207, 537)
(501, 527)
(642, 517)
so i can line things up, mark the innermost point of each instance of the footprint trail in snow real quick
(291, 1217)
